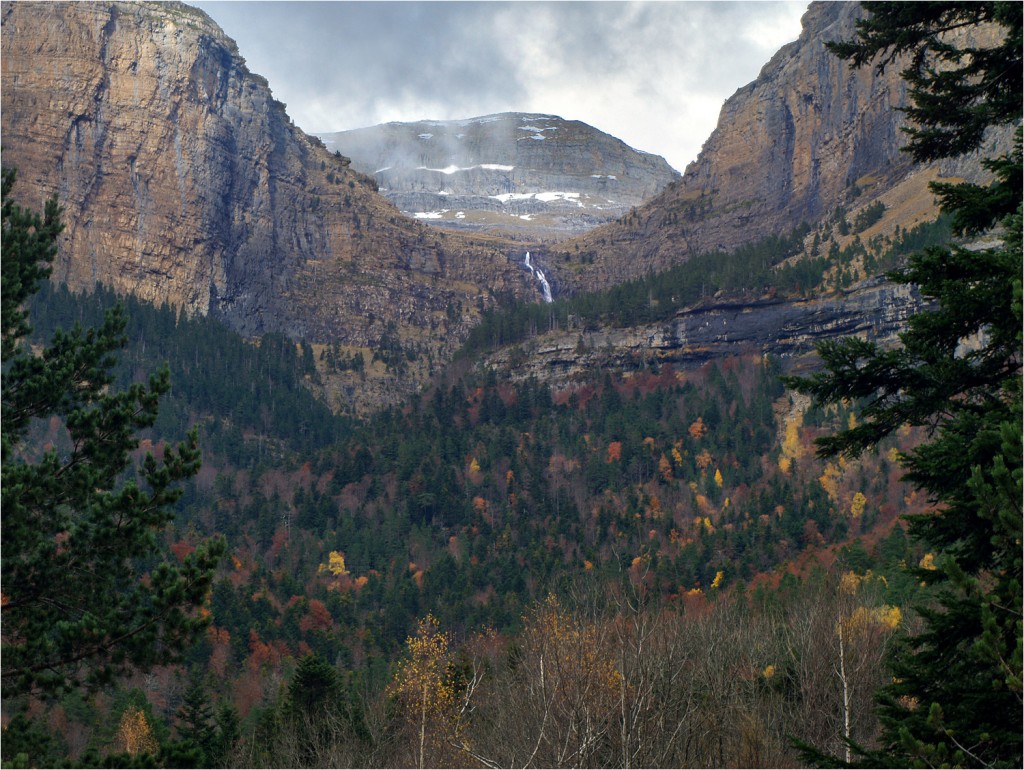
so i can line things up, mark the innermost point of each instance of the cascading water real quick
(545, 287)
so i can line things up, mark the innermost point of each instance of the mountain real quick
(184, 181)
(537, 176)
(602, 536)
(809, 136)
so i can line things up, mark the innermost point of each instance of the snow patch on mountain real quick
(543, 197)
(445, 170)
(448, 170)
(503, 176)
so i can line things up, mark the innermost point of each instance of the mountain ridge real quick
(811, 134)
(184, 181)
(528, 175)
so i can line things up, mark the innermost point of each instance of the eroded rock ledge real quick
(787, 329)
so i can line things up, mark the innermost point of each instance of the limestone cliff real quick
(184, 181)
(786, 329)
(810, 134)
(527, 175)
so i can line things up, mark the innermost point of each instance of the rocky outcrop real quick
(523, 174)
(789, 330)
(184, 181)
(811, 133)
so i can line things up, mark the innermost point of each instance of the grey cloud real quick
(365, 56)
(653, 74)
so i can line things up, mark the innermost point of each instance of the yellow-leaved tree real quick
(665, 468)
(336, 564)
(857, 505)
(134, 735)
(557, 706)
(424, 687)
(862, 632)
(829, 481)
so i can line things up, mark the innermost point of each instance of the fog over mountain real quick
(519, 174)
(662, 66)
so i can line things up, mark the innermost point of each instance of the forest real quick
(485, 514)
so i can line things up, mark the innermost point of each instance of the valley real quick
(217, 204)
(503, 439)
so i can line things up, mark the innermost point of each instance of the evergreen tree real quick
(205, 738)
(86, 590)
(956, 91)
(229, 732)
(197, 735)
(956, 691)
(311, 712)
(26, 743)
(314, 687)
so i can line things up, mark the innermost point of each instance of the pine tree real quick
(229, 732)
(312, 710)
(197, 735)
(205, 738)
(86, 591)
(956, 691)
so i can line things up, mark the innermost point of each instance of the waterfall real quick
(545, 287)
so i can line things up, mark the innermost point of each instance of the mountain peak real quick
(519, 173)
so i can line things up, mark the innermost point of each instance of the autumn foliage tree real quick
(552, 700)
(134, 734)
(425, 688)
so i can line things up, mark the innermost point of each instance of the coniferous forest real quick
(735, 565)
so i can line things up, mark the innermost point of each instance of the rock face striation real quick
(523, 174)
(811, 133)
(875, 310)
(184, 181)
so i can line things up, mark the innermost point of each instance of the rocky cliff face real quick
(537, 176)
(810, 134)
(786, 329)
(184, 181)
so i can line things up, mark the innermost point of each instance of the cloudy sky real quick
(653, 74)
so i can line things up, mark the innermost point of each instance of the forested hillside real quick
(474, 504)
